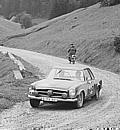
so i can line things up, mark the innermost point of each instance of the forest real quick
(42, 8)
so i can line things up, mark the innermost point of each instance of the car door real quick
(89, 79)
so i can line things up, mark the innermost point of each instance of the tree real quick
(59, 8)
(109, 2)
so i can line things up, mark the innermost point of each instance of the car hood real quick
(56, 84)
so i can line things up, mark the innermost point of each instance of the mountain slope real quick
(7, 27)
(91, 29)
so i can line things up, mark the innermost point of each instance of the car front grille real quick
(51, 93)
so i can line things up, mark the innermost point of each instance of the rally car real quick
(65, 84)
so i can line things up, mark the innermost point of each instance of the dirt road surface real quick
(102, 113)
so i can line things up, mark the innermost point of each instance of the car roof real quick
(71, 67)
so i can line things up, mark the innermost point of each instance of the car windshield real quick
(68, 74)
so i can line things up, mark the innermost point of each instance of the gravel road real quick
(102, 113)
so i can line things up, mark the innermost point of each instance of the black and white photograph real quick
(59, 64)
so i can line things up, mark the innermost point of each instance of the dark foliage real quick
(42, 8)
(109, 2)
(59, 8)
(117, 44)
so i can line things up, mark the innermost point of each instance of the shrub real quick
(109, 2)
(117, 44)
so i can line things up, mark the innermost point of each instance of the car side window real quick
(91, 74)
(87, 75)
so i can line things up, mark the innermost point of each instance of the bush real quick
(117, 44)
(109, 2)
(59, 8)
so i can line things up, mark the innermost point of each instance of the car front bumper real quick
(49, 99)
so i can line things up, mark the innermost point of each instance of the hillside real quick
(92, 30)
(13, 90)
(42, 8)
(7, 27)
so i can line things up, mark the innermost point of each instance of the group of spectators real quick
(23, 18)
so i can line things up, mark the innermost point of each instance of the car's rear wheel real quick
(34, 103)
(80, 100)
(97, 94)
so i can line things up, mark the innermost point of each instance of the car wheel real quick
(34, 102)
(73, 62)
(80, 100)
(97, 94)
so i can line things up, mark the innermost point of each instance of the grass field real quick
(92, 30)
(12, 90)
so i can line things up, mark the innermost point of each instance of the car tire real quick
(97, 94)
(34, 103)
(73, 62)
(80, 100)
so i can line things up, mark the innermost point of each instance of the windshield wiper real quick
(59, 71)
(63, 79)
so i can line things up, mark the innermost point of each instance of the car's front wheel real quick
(80, 100)
(73, 62)
(34, 103)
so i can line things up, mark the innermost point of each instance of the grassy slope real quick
(7, 27)
(36, 21)
(12, 90)
(91, 30)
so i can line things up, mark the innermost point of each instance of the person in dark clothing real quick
(71, 51)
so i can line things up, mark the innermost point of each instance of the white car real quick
(65, 84)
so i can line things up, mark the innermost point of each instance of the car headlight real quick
(33, 92)
(32, 89)
(64, 95)
(72, 93)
